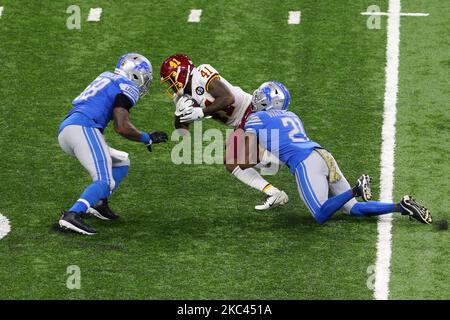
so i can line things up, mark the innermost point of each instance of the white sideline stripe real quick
(194, 15)
(95, 14)
(375, 13)
(5, 227)
(294, 17)
(1, 11)
(384, 226)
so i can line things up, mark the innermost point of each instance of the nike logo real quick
(271, 204)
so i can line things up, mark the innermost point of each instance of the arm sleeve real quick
(122, 101)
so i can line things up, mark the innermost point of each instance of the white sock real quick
(252, 178)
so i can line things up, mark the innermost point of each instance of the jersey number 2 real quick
(297, 134)
(93, 89)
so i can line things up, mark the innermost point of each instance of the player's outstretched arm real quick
(222, 97)
(124, 127)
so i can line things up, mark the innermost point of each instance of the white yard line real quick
(414, 14)
(383, 259)
(5, 228)
(294, 17)
(1, 11)
(194, 15)
(418, 14)
(94, 14)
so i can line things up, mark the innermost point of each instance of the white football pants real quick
(90, 148)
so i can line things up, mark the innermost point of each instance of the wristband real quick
(145, 138)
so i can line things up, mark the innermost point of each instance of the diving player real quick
(215, 97)
(109, 97)
(316, 172)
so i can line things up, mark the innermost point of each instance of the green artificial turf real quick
(190, 231)
(421, 254)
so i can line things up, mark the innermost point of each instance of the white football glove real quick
(192, 114)
(182, 104)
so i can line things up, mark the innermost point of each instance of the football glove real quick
(192, 114)
(156, 137)
(182, 104)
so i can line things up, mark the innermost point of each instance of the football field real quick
(191, 231)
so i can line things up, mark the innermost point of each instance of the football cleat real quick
(102, 211)
(72, 221)
(415, 210)
(278, 199)
(363, 187)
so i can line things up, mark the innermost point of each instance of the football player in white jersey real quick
(201, 92)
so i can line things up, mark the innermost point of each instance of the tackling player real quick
(109, 97)
(316, 172)
(215, 97)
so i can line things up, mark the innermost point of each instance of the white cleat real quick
(278, 199)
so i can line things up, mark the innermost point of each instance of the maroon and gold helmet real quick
(175, 71)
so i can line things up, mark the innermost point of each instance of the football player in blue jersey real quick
(109, 97)
(321, 184)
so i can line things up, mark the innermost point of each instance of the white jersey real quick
(232, 115)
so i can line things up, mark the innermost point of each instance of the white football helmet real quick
(137, 68)
(270, 95)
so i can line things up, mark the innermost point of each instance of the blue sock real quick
(119, 173)
(332, 205)
(372, 208)
(91, 195)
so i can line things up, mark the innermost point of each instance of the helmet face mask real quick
(174, 87)
(176, 71)
(270, 95)
(136, 68)
(259, 100)
(145, 87)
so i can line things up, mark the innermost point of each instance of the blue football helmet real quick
(270, 95)
(137, 68)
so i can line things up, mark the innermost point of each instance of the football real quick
(184, 102)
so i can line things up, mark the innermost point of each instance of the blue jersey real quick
(94, 106)
(282, 133)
